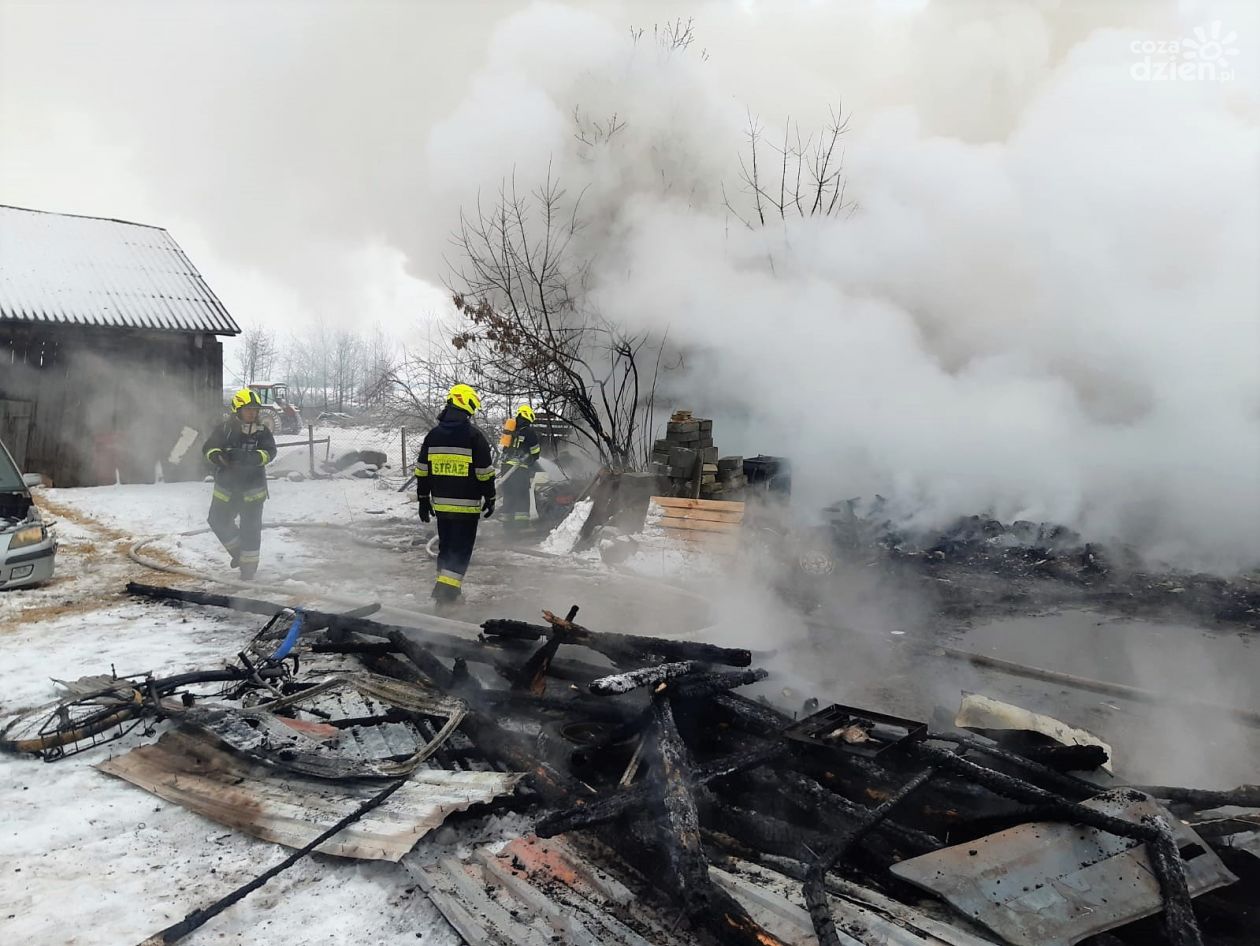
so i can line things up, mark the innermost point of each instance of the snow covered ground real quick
(90, 859)
(93, 860)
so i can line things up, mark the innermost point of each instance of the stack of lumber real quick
(711, 525)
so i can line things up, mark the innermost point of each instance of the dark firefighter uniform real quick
(455, 482)
(520, 458)
(240, 450)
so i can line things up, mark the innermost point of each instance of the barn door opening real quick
(16, 418)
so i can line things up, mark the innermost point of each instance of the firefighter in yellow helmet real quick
(520, 458)
(239, 449)
(455, 483)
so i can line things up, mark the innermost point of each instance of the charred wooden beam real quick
(493, 654)
(816, 877)
(1244, 796)
(809, 795)
(706, 905)
(616, 683)
(757, 718)
(673, 791)
(1065, 785)
(449, 645)
(946, 802)
(433, 668)
(612, 806)
(573, 707)
(532, 676)
(510, 750)
(366, 637)
(759, 831)
(619, 646)
(701, 685)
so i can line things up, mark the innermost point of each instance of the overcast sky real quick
(286, 144)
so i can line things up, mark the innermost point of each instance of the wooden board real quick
(713, 505)
(698, 525)
(703, 525)
(708, 515)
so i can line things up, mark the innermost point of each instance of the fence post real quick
(404, 449)
(310, 446)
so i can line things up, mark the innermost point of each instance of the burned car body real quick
(27, 549)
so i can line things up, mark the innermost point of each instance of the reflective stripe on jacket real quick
(252, 451)
(454, 468)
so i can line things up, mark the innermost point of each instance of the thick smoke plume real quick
(1043, 306)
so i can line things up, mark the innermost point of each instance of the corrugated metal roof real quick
(93, 271)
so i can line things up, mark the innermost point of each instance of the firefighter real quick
(239, 449)
(520, 458)
(455, 482)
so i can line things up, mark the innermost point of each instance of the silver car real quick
(27, 550)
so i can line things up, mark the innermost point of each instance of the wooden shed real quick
(109, 348)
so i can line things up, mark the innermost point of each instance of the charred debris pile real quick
(689, 812)
(1031, 564)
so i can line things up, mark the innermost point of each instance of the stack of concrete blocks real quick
(688, 441)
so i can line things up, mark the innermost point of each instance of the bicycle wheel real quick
(51, 729)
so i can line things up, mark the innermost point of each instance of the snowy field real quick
(91, 859)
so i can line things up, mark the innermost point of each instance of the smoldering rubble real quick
(636, 796)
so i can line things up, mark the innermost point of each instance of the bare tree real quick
(804, 178)
(255, 355)
(674, 36)
(378, 359)
(530, 330)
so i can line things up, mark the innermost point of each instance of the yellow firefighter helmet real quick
(245, 398)
(465, 398)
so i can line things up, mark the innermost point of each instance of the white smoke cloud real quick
(1044, 306)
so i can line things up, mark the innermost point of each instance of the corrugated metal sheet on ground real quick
(862, 916)
(536, 892)
(542, 892)
(376, 749)
(1052, 884)
(190, 770)
(92, 271)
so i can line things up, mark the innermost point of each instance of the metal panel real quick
(977, 711)
(68, 269)
(537, 893)
(1051, 884)
(190, 770)
(778, 905)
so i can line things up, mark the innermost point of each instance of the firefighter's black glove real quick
(426, 509)
(218, 459)
(487, 509)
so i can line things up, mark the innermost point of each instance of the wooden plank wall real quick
(108, 398)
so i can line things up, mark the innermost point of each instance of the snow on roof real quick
(94, 271)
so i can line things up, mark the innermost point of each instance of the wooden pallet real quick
(714, 524)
